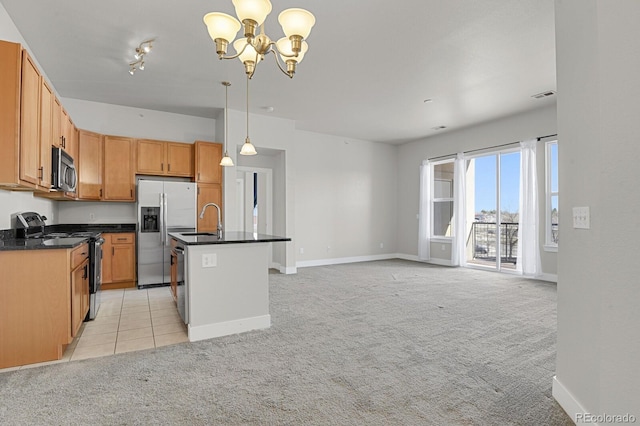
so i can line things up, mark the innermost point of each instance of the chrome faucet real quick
(219, 228)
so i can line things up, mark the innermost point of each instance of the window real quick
(551, 161)
(442, 203)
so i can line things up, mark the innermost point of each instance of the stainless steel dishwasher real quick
(177, 279)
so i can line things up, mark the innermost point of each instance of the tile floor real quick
(128, 320)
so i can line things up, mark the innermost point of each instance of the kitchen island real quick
(226, 282)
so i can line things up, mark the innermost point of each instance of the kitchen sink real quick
(198, 234)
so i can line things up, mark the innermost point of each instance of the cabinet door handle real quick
(198, 175)
(100, 192)
(162, 167)
(85, 273)
(113, 251)
(41, 173)
(131, 192)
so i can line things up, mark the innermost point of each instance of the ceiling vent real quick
(544, 94)
(439, 128)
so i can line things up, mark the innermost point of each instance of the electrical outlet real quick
(328, 248)
(209, 260)
(443, 247)
(92, 216)
(381, 245)
(301, 250)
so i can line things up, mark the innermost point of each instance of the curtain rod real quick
(539, 138)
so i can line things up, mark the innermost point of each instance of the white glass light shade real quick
(248, 149)
(256, 10)
(221, 25)
(249, 53)
(284, 47)
(226, 161)
(296, 22)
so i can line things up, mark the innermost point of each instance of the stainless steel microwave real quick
(63, 173)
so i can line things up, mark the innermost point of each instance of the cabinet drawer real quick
(78, 255)
(122, 239)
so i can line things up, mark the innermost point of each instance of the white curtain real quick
(528, 239)
(458, 250)
(424, 214)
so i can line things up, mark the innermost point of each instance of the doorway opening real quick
(493, 191)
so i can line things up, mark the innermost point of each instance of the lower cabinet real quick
(79, 293)
(119, 260)
(43, 304)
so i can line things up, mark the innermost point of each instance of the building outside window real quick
(442, 202)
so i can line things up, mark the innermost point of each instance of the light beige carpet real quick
(376, 343)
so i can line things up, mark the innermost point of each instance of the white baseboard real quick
(441, 262)
(548, 277)
(288, 270)
(209, 331)
(339, 260)
(411, 257)
(283, 269)
(567, 401)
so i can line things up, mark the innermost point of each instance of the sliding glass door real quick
(493, 186)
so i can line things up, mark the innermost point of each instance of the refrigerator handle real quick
(164, 210)
(161, 218)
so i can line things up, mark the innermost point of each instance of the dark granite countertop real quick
(8, 240)
(194, 238)
(40, 243)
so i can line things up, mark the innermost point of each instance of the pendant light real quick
(226, 160)
(247, 147)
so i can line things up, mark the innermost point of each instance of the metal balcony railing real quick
(483, 240)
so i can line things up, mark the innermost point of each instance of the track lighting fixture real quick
(142, 49)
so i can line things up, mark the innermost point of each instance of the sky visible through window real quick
(485, 182)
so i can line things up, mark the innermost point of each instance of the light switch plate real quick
(209, 260)
(581, 218)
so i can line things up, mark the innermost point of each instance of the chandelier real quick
(251, 49)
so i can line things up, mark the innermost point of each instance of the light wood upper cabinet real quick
(57, 123)
(30, 121)
(119, 172)
(25, 161)
(46, 134)
(69, 135)
(160, 158)
(208, 168)
(89, 166)
(180, 159)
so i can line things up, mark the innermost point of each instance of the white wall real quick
(339, 193)
(539, 122)
(118, 120)
(598, 350)
(345, 197)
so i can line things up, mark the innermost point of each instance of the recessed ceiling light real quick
(439, 128)
(268, 108)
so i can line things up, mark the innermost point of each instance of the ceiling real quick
(370, 65)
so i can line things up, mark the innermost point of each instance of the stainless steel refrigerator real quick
(163, 207)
